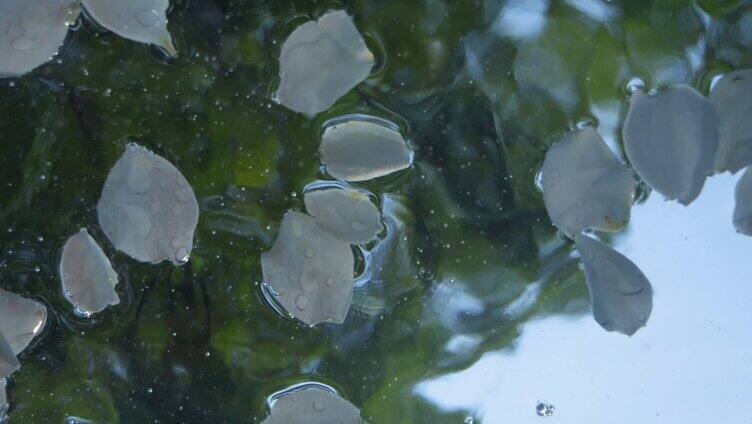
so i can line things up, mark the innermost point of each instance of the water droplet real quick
(318, 405)
(309, 253)
(181, 256)
(544, 409)
(469, 420)
(148, 18)
(302, 302)
(329, 282)
(634, 84)
(22, 43)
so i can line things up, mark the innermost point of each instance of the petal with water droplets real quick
(620, 295)
(87, 275)
(21, 319)
(8, 360)
(309, 272)
(313, 405)
(743, 208)
(147, 208)
(32, 32)
(347, 214)
(732, 99)
(671, 138)
(358, 150)
(584, 186)
(320, 62)
(144, 21)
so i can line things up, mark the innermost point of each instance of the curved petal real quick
(147, 208)
(8, 360)
(620, 295)
(347, 214)
(144, 21)
(359, 150)
(87, 275)
(21, 319)
(584, 186)
(320, 62)
(312, 405)
(743, 208)
(32, 32)
(671, 138)
(732, 99)
(309, 272)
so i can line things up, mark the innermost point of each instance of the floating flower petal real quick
(21, 319)
(87, 275)
(347, 214)
(584, 186)
(732, 99)
(8, 360)
(313, 405)
(147, 208)
(620, 295)
(144, 21)
(358, 150)
(320, 62)
(743, 209)
(671, 139)
(32, 32)
(309, 272)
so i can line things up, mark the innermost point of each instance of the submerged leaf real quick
(347, 214)
(584, 186)
(620, 295)
(671, 138)
(743, 208)
(732, 99)
(144, 21)
(32, 32)
(21, 319)
(358, 150)
(313, 405)
(320, 62)
(8, 360)
(309, 272)
(147, 208)
(87, 275)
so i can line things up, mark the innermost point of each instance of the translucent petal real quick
(358, 150)
(313, 405)
(320, 62)
(732, 99)
(147, 208)
(21, 319)
(32, 32)
(347, 214)
(671, 138)
(8, 361)
(309, 272)
(620, 295)
(584, 186)
(87, 275)
(144, 21)
(743, 209)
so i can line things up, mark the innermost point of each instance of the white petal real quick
(743, 209)
(671, 139)
(32, 32)
(3, 399)
(320, 62)
(620, 295)
(8, 361)
(359, 150)
(347, 214)
(147, 208)
(584, 186)
(144, 21)
(313, 405)
(21, 319)
(732, 99)
(87, 275)
(309, 272)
